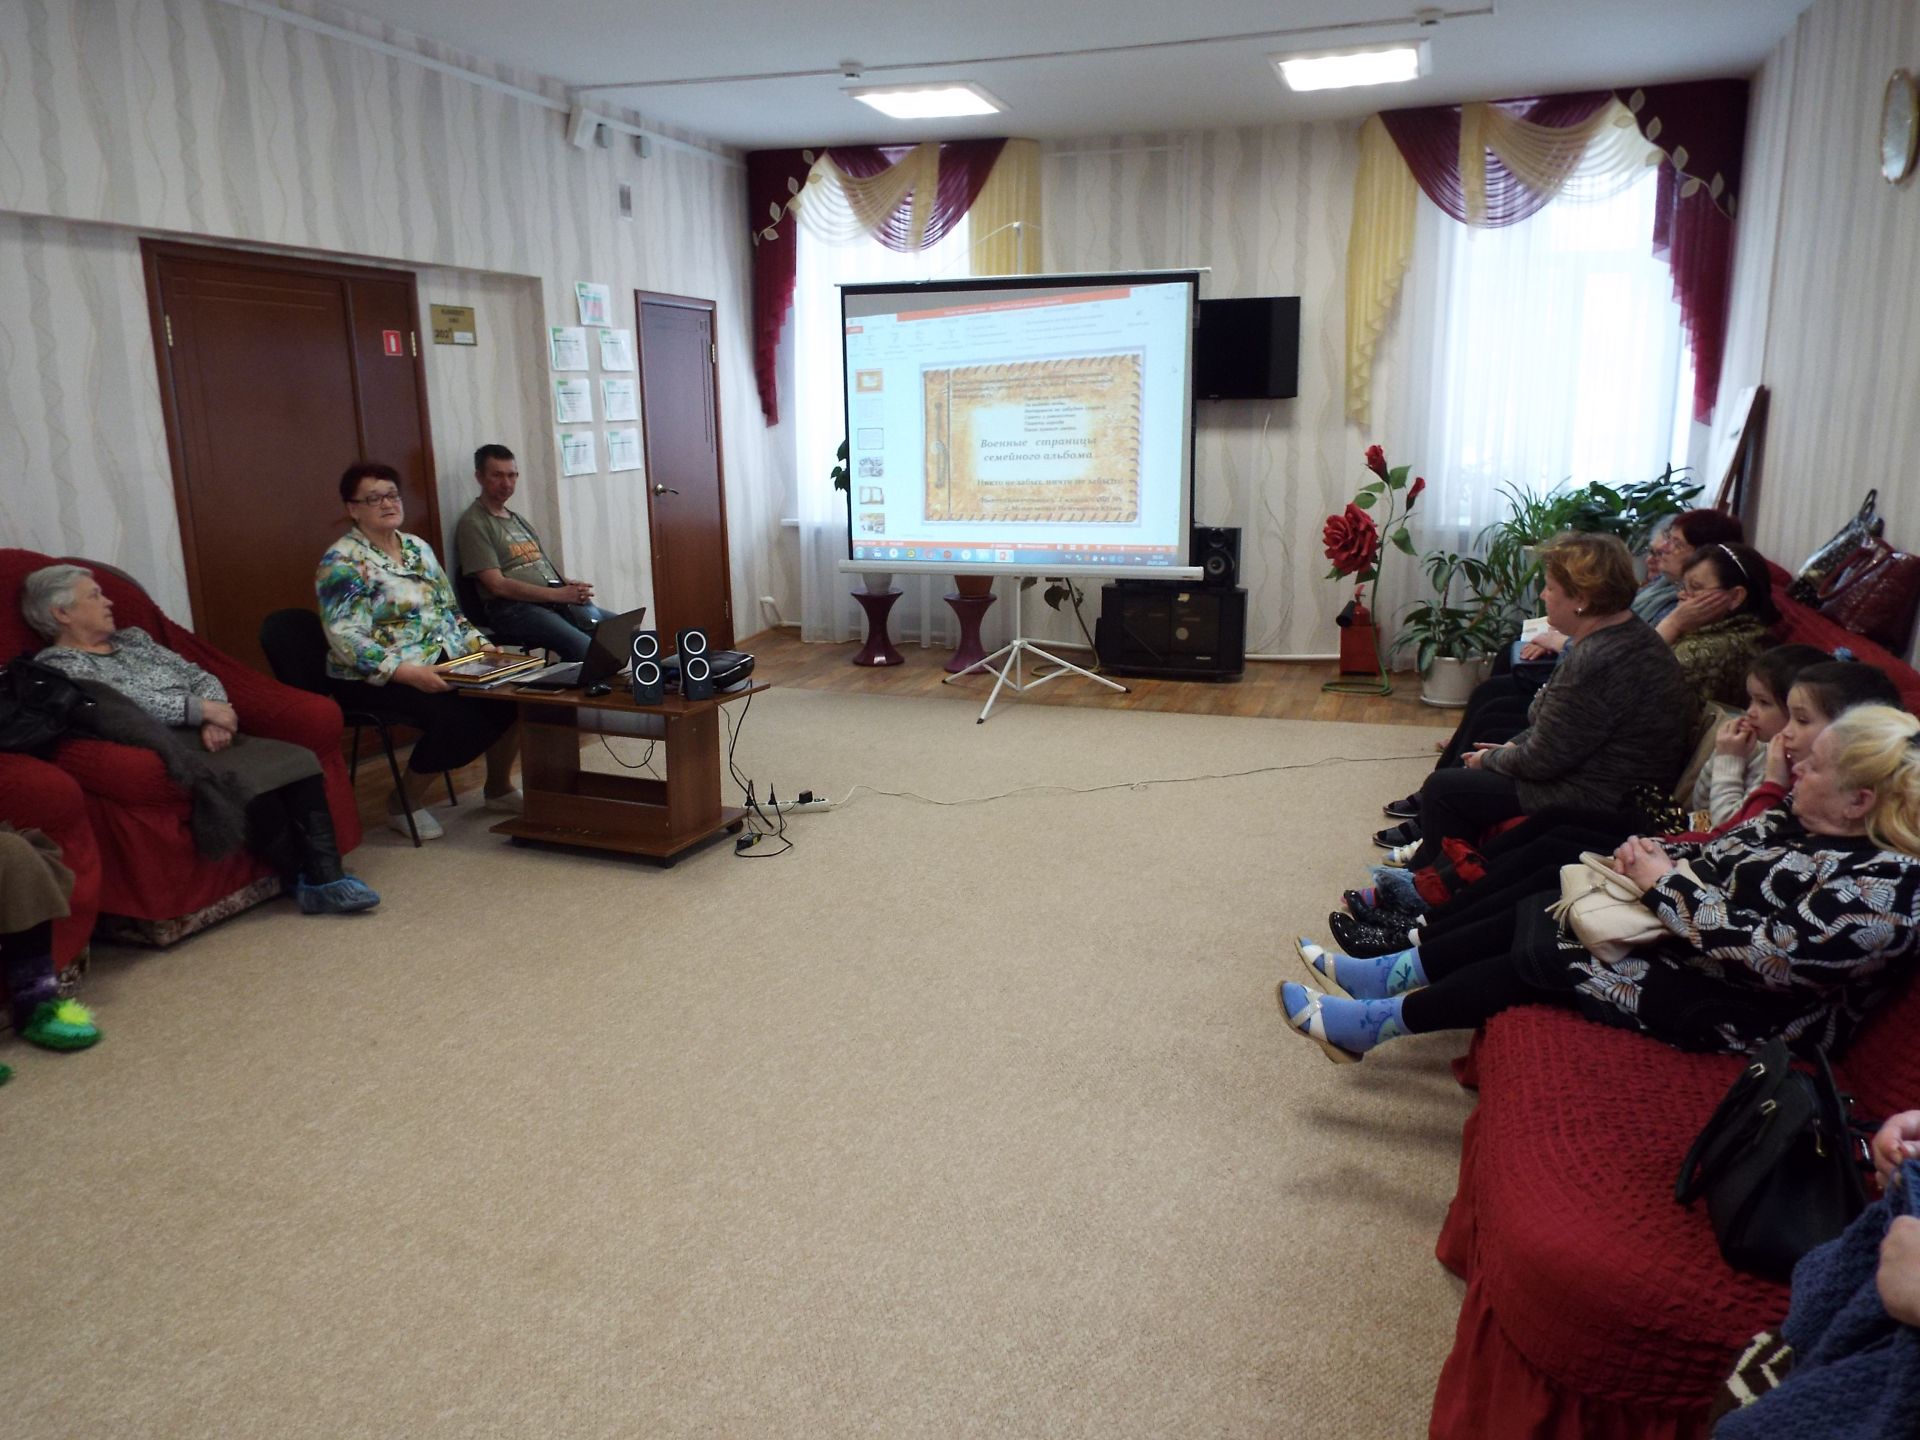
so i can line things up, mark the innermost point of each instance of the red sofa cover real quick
(148, 867)
(1596, 1307)
(35, 795)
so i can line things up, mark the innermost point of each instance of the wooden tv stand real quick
(635, 815)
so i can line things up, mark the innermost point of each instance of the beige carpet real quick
(970, 1120)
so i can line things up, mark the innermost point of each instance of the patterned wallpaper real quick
(1830, 285)
(121, 118)
(1267, 210)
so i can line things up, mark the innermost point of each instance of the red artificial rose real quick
(1377, 461)
(1413, 493)
(1351, 539)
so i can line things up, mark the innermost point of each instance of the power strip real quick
(807, 801)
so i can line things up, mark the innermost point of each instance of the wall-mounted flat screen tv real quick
(1247, 349)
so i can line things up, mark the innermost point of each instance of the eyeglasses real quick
(378, 497)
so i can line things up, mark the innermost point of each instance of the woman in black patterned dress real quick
(1799, 923)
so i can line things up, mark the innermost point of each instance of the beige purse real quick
(1603, 909)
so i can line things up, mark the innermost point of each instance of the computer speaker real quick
(649, 679)
(696, 666)
(1216, 550)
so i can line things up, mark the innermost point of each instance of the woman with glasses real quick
(390, 617)
(1720, 623)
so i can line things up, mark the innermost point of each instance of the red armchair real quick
(37, 796)
(147, 869)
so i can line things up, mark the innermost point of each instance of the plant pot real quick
(1449, 683)
(879, 582)
(973, 585)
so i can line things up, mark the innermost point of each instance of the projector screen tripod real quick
(1008, 665)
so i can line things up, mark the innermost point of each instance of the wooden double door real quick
(276, 373)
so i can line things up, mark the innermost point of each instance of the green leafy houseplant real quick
(1511, 583)
(1437, 628)
(839, 472)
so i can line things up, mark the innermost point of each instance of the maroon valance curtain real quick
(774, 177)
(1700, 127)
(1428, 139)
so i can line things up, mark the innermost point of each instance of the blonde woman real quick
(1798, 923)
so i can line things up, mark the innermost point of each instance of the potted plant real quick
(1452, 642)
(878, 582)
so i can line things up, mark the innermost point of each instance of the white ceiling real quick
(1521, 47)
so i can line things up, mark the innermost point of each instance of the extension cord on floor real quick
(809, 803)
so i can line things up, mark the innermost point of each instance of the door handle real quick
(663, 490)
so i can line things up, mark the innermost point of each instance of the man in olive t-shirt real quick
(524, 598)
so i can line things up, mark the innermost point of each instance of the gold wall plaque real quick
(1038, 440)
(453, 325)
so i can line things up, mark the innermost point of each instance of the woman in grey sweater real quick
(1617, 713)
(288, 821)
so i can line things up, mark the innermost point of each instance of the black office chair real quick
(296, 650)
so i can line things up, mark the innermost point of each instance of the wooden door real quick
(277, 373)
(686, 494)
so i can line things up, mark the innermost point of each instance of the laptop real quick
(609, 653)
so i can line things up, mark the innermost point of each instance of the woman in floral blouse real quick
(1799, 923)
(390, 617)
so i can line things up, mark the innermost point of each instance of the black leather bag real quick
(1776, 1164)
(38, 705)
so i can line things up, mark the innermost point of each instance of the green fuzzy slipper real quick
(61, 1025)
(6, 1073)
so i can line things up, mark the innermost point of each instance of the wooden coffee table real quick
(636, 815)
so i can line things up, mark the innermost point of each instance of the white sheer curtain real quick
(827, 609)
(1538, 353)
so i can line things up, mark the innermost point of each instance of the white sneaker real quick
(428, 826)
(509, 802)
(1401, 854)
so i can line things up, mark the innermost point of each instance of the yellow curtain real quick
(1378, 248)
(1006, 214)
(840, 209)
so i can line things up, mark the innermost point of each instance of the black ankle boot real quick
(319, 847)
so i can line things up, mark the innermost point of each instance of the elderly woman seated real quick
(1799, 923)
(287, 821)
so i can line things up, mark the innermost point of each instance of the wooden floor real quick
(1272, 689)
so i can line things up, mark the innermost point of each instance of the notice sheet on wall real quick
(620, 398)
(573, 402)
(578, 454)
(569, 346)
(596, 303)
(623, 449)
(616, 350)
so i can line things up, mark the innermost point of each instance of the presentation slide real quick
(1031, 425)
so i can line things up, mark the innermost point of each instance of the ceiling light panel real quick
(1339, 69)
(927, 102)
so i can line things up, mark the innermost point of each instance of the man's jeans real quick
(563, 629)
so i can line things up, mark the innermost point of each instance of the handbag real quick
(1824, 562)
(1875, 594)
(1603, 908)
(1776, 1164)
(38, 705)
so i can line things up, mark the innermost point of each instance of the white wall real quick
(1826, 301)
(1268, 210)
(196, 119)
